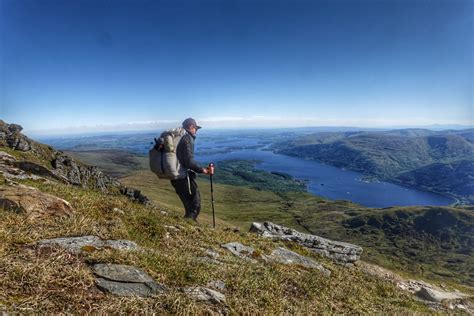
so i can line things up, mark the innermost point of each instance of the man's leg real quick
(195, 200)
(182, 190)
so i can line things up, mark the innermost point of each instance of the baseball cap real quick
(190, 121)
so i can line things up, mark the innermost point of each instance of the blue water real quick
(324, 180)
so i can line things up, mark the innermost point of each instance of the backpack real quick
(163, 160)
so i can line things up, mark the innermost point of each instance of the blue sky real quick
(115, 64)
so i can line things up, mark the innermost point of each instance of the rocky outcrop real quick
(123, 280)
(9, 169)
(67, 168)
(88, 243)
(11, 136)
(31, 201)
(340, 252)
(64, 167)
(134, 195)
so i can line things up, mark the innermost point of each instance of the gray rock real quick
(81, 243)
(340, 252)
(286, 256)
(239, 250)
(216, 284)
(11, 136)
(438, 295)
(129, 289)
(205, 295)
(125, 280)
(121, 273)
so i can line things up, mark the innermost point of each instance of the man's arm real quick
(186, 156)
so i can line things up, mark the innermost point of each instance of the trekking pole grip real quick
(211, 169)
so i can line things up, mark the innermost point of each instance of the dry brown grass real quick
(55, 281)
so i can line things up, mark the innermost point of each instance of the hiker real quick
(187, 188)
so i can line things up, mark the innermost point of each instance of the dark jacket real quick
(185, 153)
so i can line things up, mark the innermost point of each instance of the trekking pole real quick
(211, 170)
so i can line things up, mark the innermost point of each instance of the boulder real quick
(340, 252)
(11, 136)
(286, 256)
(126, 280)
(121, 273)
(204, 294)
(88, 243)
(31, 201)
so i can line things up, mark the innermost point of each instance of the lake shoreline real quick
(457, 200)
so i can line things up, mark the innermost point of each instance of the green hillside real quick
(438, 250)
(398, 156)
(43, 203)
(244, 195)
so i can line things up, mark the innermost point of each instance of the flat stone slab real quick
(129, 289)
(121, 273)
(204, 294)
(285, 256)
(239, 250)
(340, 252)
(123, 280)
(87, 243)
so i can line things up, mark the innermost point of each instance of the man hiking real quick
(187, 188)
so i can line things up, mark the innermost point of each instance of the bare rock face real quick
(340, 252)
(123, 280)
(33, 202)
(67, 168)
(10, 135)
(10, 170)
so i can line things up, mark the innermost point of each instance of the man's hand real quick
(205, 171)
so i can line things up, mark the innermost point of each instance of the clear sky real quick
(70, 63)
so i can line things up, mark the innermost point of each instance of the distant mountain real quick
(416, 157)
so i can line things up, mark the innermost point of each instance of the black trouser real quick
(188, 192)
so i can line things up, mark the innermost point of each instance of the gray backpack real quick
(163, 160)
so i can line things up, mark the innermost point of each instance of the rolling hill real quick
(403, 156)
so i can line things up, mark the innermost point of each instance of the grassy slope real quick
(53, 281)
(408, 252)
(420, 254)
(114, 162)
